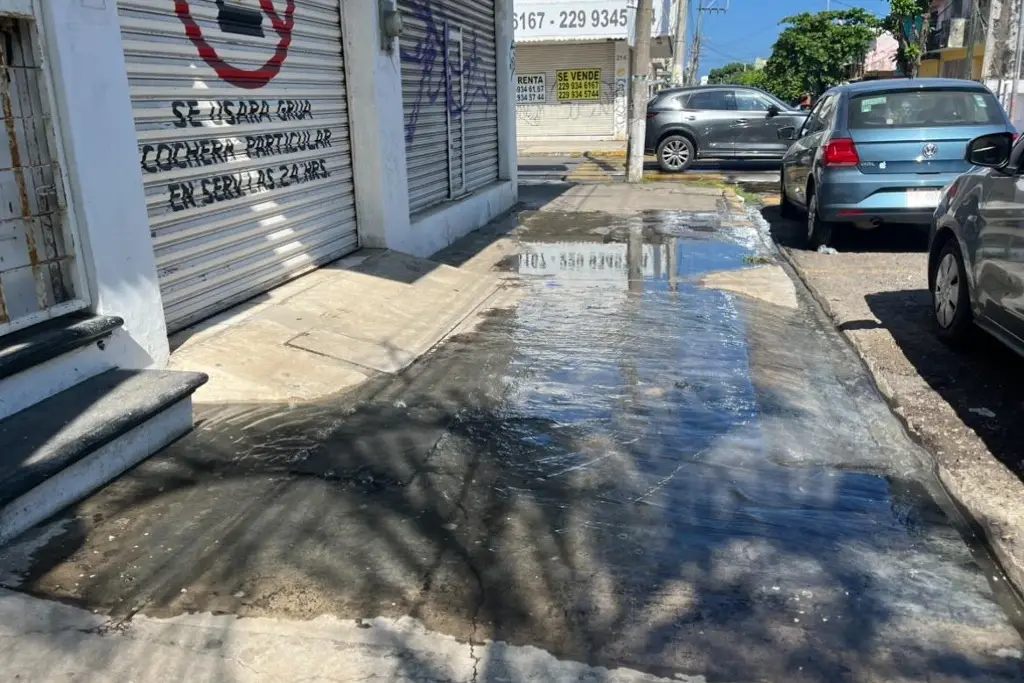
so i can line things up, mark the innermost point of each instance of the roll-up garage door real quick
(241, 117)
(578, 107)
(449, 97)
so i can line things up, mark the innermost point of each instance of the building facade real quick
(949, 53)
(572, 66)
(168, 159)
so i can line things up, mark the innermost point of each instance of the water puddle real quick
(629, 468)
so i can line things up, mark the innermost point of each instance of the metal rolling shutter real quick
(450, 105)
(553, 118)
(242, 123)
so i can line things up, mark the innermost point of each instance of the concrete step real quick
(56, 452)
(59, 353)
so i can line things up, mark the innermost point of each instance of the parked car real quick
(976, 251)
(880, 152)
(716, 122)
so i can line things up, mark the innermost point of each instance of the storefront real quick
(571, 90)
(247, 172)
(572, 67)
(166, 160)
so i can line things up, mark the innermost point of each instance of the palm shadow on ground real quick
(424, 495)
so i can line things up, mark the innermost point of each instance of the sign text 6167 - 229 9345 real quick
(578, 84)
(543, 20)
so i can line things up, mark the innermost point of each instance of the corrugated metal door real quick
(560, 118)
(241, 115)
(449, 83)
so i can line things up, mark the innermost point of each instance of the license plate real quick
(922, 199)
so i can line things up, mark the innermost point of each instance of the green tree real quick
(909, 22)
(729, 73)
(754, 78)
(814, 51)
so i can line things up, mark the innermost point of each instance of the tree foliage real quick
(813, 51)
(737, 73)
(728, 73)
(908, 21)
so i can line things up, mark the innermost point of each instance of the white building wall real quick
(94, 120)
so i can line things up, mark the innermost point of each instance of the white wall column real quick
(621, 105)
(377, 128)
(506, 92)
(94, 120)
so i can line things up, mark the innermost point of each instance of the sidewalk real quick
(375, 312)
(261, 546)
(369, 314)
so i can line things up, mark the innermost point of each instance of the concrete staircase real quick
(71, 422)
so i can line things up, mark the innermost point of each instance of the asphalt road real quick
(545, 169)
(632, 469)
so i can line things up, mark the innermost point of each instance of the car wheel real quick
(786, 206)
(675, 154)
(951, 299)
(819, 232)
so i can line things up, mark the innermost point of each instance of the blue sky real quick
(749, 28)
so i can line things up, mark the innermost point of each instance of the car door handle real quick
(691, 118)
(741, 121)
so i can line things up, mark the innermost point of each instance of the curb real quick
(658, 176)
(573, 155)
(976, 520)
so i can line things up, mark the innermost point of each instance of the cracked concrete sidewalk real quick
(372, 313)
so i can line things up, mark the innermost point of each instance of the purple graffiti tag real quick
(437, 74)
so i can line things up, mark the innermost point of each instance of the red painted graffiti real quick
(242, 78)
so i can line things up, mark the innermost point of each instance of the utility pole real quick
(638, 94)
(702, 9)
(1017, 60)
(695, 47)
(679, 43)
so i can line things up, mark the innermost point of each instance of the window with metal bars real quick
(37, 257)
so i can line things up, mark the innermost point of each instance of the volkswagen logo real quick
(930, 150)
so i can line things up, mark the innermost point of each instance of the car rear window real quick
(930, 108)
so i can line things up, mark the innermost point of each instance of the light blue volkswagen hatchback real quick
(879, 152)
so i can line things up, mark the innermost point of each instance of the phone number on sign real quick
(598, 18)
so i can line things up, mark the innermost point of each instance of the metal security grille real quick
(242, 121)
(449, 96)
(563, 118)
(37, 262)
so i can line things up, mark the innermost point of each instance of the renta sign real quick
(537, 20)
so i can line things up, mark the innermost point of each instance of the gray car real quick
(976, 252)
(716, 122)
(879, 152)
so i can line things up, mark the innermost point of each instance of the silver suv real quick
(716, 122)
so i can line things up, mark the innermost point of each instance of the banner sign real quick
(530, 88)
(585, 19)
(578, 84)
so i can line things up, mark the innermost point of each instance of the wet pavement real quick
(626, 469)
(762, 175)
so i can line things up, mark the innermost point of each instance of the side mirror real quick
(773, 111)
(787, 133)
(990, 151)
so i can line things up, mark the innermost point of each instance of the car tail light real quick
(841, 152)
(651, 115)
